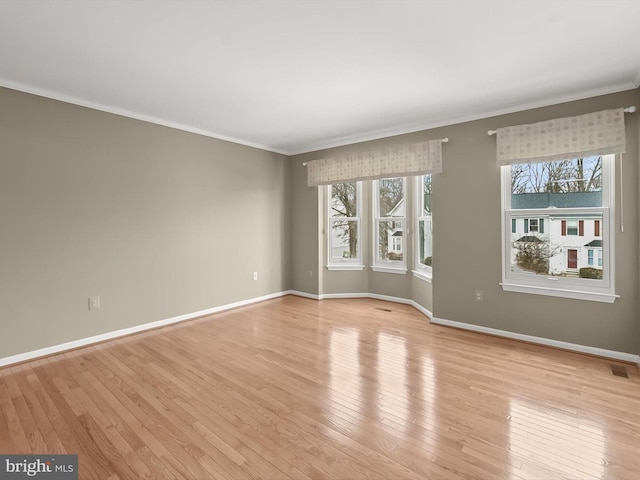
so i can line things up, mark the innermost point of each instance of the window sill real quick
(397, 270)
(425, 276)
(558, 292)
(346, 266)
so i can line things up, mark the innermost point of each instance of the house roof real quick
(558, 200)
(397, 234)
(594, 243)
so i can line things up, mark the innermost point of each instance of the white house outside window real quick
(558, 238)
(389, 225)
(344, 232)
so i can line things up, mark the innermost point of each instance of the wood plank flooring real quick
(294, 388)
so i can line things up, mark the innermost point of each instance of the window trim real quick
(579, 289)
(344, 263)
(387, 266)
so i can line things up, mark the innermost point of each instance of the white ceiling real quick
(297, 76)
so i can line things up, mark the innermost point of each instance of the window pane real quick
(426, 195)
(391, 193)
(425, 242)
(390, 240)
(562, 184)
(344, 239)
(343, 200)
(564, 255)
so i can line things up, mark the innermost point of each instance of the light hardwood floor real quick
(294, 388)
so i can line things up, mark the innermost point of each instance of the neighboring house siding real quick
(556, 233)
(396, 247)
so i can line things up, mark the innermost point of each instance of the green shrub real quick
(427, 261)
(590, 272)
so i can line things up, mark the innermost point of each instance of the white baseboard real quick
(600, 352)
(343, 295)
(23, 357)
(420, 308)
(386, 298)
(304, 294)
(574, 347)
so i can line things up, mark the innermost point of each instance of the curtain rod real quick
(443, 140)
(630, 109)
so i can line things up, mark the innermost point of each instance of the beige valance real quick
(597, 133)
(414, 159)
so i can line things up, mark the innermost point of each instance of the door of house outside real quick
(572, 258)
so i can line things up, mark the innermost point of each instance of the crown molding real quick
(131, 114)
(336, 142)
(377, 135)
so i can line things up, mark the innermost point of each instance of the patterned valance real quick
(597, 133)
(415, 159)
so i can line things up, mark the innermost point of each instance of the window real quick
(389, 225)
(344, 246)
(573, 227)
(424, 228)
(594, 258)
(561, 239)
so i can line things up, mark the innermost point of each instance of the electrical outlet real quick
(311, 273)
(479, 296)
(255, 275)
(94, 303)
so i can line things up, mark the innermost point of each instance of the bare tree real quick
(534, 254)
(391, 192)
(564, 176)
(426, 194)
(343, 204)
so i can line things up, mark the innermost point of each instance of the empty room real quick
(312, 240)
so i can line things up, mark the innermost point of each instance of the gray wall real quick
(160, 223)
(156, 221)
(467, 248)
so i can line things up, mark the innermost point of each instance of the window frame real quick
(421, 270)
(567, 287)
(385, 265)
(343, 263)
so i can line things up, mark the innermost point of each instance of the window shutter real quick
(526, 225)
(541, 223)
(581, 228)
(564, 228)
(596, 228)
(513, 225)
